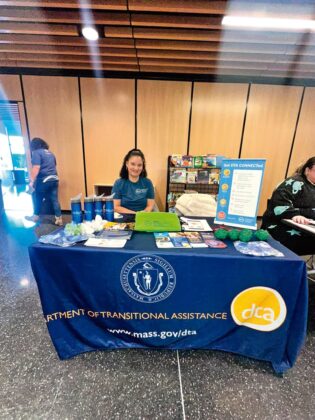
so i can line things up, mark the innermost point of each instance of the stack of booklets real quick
(188, 161)
(110, 239)
(187, 240)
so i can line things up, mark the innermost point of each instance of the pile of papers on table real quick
(110, 239)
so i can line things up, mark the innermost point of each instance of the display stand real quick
(239, 193)
(191, 174)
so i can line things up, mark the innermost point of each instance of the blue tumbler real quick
(109, 210)
(76, 211)
(88, 209)
(98, 202)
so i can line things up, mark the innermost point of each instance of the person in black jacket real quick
(293, 199)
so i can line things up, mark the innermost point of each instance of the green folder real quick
(157, 222)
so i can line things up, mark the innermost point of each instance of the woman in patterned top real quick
(293, 199)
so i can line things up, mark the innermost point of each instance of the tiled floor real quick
(129, 384)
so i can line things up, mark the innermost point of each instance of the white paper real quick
(195, 225)
(244, 192)
(106, 243)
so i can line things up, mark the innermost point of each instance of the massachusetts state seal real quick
(148, 278)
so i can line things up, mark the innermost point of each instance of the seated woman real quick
(133, 190)
(293, 199)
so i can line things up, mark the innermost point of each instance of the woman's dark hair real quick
(124, 171)
(38, 143)
(308, 164)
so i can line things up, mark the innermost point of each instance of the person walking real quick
(44, 179)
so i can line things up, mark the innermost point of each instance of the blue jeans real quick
(49, 191)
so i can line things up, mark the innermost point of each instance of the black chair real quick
(310, 264)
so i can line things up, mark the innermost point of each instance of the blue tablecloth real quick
(144, 297)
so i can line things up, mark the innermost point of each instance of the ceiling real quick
(170, 37)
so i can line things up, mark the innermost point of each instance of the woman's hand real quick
(150, 205)
(301, 219)
(119, 209)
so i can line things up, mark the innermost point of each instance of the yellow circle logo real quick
(226, 172)
(259, 308)
(223, 202)
(225, 187)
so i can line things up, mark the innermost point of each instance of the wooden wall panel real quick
(25, 135)
(304, 145)
(53, 112)
(217, 118)
(10, 88)
(163, 120)
(271, 119)
(108, 112)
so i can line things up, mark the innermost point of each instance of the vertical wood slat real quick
(304, 144)
(25, 135)
(10, 88)
(217, 118)
(163, 119)
(53, 112)
(108, 109)
(271, 118)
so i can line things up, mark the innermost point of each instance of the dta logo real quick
(259, 308)
(148, 278)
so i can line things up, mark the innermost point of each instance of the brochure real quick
(179, 240)
(203, 176)
(178, 176)
(176, 160)
(197, 225)
(198, 161)
(163, 240)
(214, 176)
(195, 240)
(187, 161)
(211, 241)
(192, 175)
(210, 160)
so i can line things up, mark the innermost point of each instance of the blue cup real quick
(109, 210)
(98, 206)
(76, 211)
(88, 209)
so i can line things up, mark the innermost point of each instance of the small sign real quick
(239, 192)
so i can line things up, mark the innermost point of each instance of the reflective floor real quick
(128, 384)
